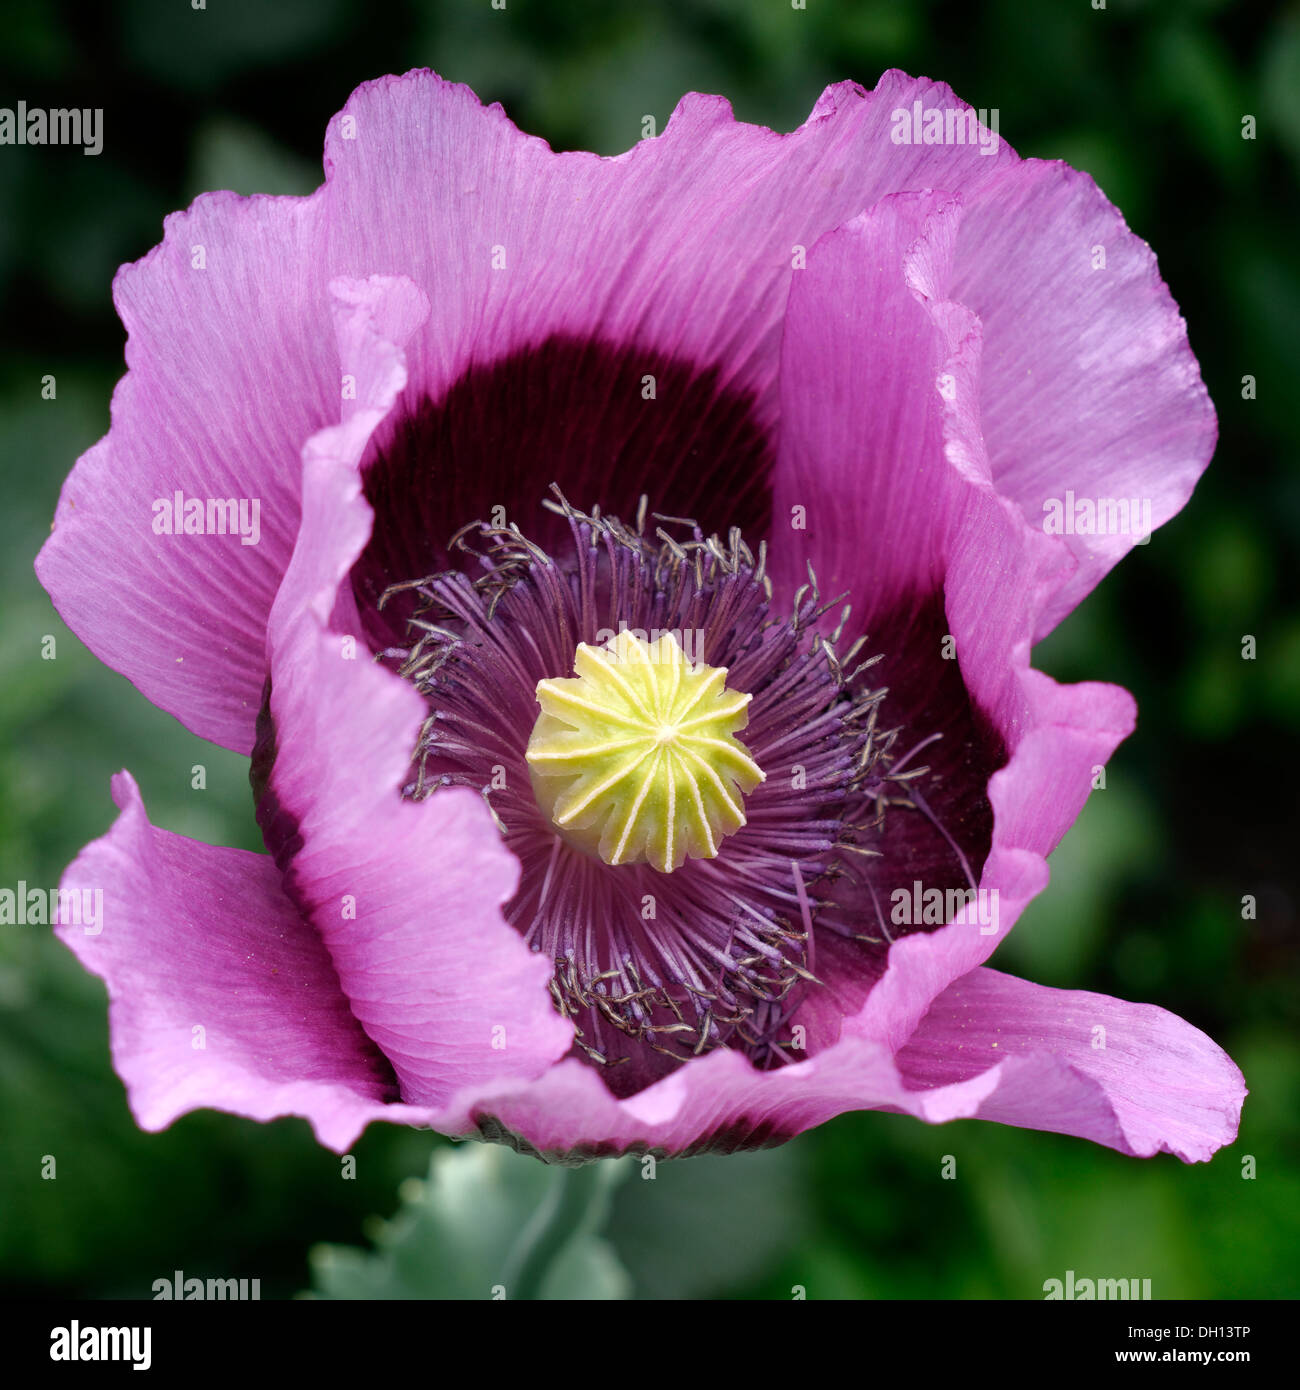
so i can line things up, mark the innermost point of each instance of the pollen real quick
(635, 759)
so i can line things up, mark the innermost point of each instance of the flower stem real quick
(563, 1214)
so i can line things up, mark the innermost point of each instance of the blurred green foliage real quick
(1199, 808)
(485, 1222)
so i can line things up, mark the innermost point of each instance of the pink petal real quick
(231, 368)
(220, 995)
(862, 490)
(1159, 1084)
(1130, 1076)
(718, 1103)
(671, 262)
(1089, 384)
(681, 246)
(405, 895)
(899, 503)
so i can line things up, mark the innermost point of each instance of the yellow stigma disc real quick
(634, 759)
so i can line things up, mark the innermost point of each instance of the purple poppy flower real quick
(623, 574)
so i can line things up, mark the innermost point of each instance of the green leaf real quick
(486, 1223)
(699, 1227)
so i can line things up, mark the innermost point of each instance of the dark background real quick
(1145, 903)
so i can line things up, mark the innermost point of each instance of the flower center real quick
(635, 759)
(690, 887)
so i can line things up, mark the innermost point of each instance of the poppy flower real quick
(622, 574)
